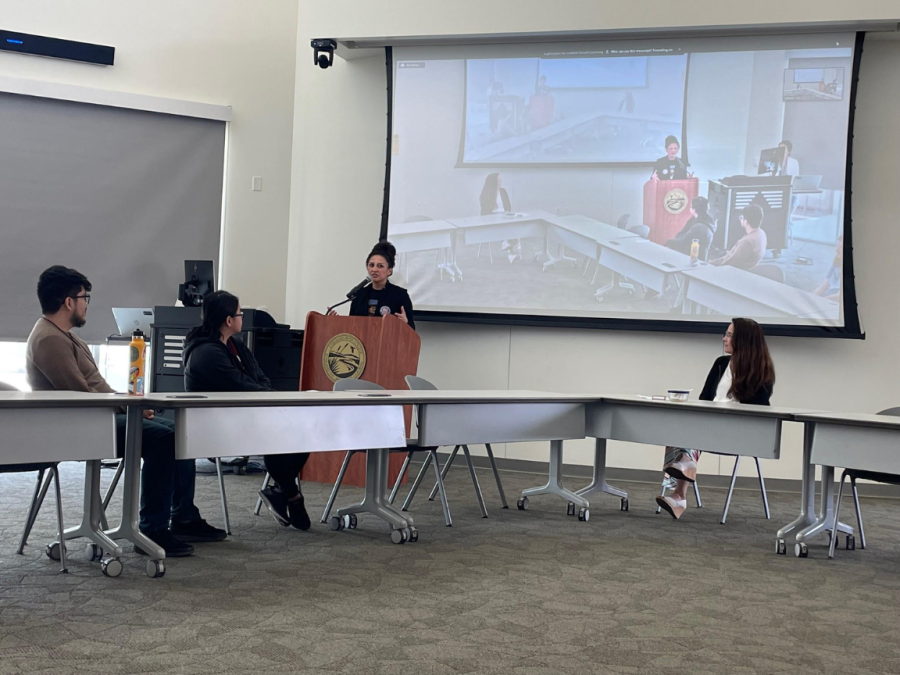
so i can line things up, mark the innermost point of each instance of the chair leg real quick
(400, 477)
(762, 487)
(862, 532)
(222, 495)
(478, 494)
(445, 507)
(63, 562)
(444, 471)
(737, 461)
(419, 477)
(36, 500)
(490, 454)
(259, 503)
(107, 498)
(835, 532)
(697, 495)
(337, 485)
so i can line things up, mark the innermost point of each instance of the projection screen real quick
(644, 184)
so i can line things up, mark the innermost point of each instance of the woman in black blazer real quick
(744, 375)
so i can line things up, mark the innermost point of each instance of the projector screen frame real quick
(852, 328)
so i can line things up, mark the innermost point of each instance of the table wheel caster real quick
(413, 535)
(95, 553)
(584, 515)
(53, 551)
(522, 504)
(397, 537)
(349, 522)
(780, 547)
(801, 550)
(155, 568)
(336, 523)
(851, 542)
(570, 509)
(624, 505)
(112, 567)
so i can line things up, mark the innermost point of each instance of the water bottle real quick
(136, 369)
(695, 251)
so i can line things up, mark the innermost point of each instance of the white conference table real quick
(851, 440)
(64, 426)
(586, 236)
(729, 290)
(644, 261)
(427, 235)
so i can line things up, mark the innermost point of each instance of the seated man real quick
(700, 226)
(58, 360)
(215, 359)
(750, 249)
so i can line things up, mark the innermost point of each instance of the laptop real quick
(809, 182)
(128, 319)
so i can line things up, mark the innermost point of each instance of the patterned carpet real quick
(522, 592)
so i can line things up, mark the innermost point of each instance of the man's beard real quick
(78, 321)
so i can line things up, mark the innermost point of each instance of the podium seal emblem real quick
(344, 358)
(675, 201)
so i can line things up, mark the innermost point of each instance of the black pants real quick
(285, 471)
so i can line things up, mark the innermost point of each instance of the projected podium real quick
(667, 206)
(728, 196)
(383, 350)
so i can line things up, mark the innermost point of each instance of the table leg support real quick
(90, 527)
(554, 485)
(598, 484)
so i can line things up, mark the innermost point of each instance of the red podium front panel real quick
(667, 206)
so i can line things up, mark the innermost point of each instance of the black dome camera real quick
(323, 52)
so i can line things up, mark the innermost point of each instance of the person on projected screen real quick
(749, 249)
(745, 374)
(495, 199)
(381, 297)
(789, 166)
(700, 226)
(670, 167)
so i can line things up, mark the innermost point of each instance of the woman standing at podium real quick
(745, 374)
(216, 359)
(381, 297)
(670, 167)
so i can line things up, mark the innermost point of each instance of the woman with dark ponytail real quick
(745, 374)
(381, 297)
(216, 359)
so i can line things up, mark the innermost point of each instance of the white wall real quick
(228, 52)
(336, 210)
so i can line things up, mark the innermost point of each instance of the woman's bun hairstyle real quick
(386, 250)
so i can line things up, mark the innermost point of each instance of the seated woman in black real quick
(700, 226)
(745, 375)
(381, 297)
(215, 359)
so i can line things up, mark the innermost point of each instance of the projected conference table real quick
(730, 290)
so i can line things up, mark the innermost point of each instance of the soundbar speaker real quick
(39, 45)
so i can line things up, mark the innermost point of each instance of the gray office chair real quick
(622, 222)
(56, 550)
(854, 474)
(363, 385)
(772, 272)
(737, 462)
(421, 384)
(641, 230)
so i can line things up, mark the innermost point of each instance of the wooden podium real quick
(383, 350)
(667, 206)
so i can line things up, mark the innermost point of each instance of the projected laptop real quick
(128, 319)
(807, 183)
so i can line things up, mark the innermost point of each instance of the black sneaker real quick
(174, 547)
(298, 515)
(277, 505)
(197, 530)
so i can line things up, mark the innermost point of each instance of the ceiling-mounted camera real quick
(323, 51)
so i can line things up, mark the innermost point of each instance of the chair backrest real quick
(642, 230)
(622, 222)
(772, 272)
(419, 384)
(7, 387)
(356, 385)
(417, 219)
(892, 412)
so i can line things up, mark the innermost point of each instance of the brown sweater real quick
(747, 252)
(56, 360)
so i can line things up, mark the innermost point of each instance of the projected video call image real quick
(690, 182)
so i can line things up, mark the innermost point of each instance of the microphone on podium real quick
(352, 294)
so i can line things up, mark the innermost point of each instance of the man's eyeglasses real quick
(85, 296)
(238, 315)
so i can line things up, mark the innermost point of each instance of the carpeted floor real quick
(521, 592)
